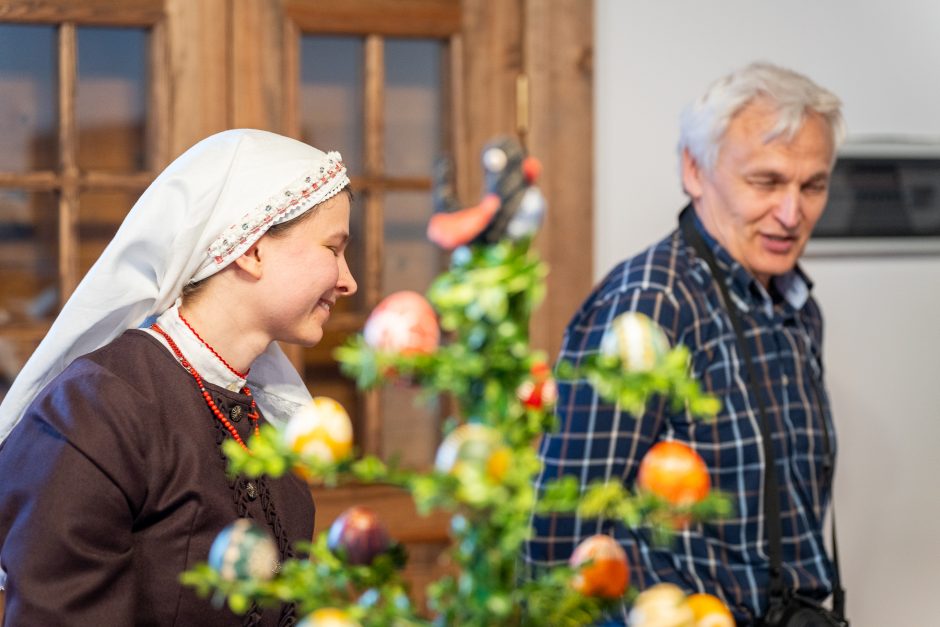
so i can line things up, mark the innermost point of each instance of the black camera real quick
(799, 611)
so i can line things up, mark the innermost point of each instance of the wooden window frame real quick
(67, 181)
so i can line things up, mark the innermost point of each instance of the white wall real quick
(882, 339)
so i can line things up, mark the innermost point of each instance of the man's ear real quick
(691, 175)
(250, 261)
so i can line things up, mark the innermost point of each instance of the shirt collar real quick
(200, 356)
(793, 287)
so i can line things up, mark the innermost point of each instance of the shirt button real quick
(785, 380)
(236, 413)
(251, 491)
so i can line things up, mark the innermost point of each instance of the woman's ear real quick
(250, 261)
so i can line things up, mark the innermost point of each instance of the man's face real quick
(762, 200)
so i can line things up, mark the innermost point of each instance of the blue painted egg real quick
(243, 550)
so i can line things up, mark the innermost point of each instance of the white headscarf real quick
(203, 211)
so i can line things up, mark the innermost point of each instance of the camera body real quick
(798, 611)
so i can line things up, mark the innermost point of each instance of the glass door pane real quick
(100, 213)
(331, 96)
(413, 105)
(29, 261)
(111, 98)
(410, 261)
(28, 98)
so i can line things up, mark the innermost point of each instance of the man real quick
(756, 154)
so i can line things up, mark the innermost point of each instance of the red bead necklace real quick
(252, 412)
(211, 350)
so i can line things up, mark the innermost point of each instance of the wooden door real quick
(97, 96)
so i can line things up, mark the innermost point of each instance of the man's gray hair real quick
(704, 122)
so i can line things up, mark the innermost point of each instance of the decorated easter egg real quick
(674, 472)
(328, 617)
(404, 322)
(473, 444)
(539, 391)
(661, 605)
(606, 573)
(709, 611)
(243, 550)
(639, 342)
(321, 430)
(359, 534)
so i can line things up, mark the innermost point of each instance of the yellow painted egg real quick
(321, 430)
(474, 444)
(328, 617)
(661, 605)
(639, 342)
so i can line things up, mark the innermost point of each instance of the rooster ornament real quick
(512, 206)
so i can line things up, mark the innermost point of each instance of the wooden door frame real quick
(493, 43)
(550, 44)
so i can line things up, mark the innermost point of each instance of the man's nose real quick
(789, 211)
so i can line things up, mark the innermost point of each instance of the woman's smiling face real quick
(305, 272)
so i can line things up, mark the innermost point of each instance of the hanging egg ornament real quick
(709, 611)
(539, 392)
(473, 444)
(607, 573)
(242, 551)
(321, 430)
(358, 534)
(674, 472)
(661, 605)
(405, 323)
(328, 617)
(639, 342)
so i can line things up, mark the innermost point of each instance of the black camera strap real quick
(771, 485)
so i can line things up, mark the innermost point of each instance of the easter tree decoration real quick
(468, 338)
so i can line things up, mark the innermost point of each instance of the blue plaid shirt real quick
(598, 441)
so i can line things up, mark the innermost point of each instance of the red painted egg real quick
(404, 322)
(359, 534)
(540, 391)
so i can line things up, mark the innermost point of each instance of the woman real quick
(114, 482)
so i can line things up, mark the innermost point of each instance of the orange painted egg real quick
(675, 473)
(709, 611)
(404, 322)
(607, 573)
